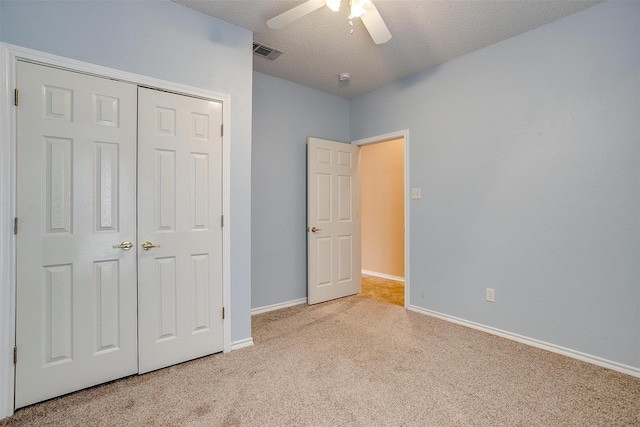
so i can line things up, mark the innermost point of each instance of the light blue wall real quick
(284, 115)
(163, 40)
(528, 156)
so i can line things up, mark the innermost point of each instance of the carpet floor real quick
(384, 290)
(358, 362)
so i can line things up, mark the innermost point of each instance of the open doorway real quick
(382, 201)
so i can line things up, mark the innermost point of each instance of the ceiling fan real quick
(363, 9)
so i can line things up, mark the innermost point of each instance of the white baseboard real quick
(383, 275)
(237, 345)
(625, 369)
(278, 306)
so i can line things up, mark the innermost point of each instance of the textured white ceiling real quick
(318, 47)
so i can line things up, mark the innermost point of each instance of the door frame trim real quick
(404, 133)
(9, 55)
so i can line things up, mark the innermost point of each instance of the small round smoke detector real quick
(344, 77)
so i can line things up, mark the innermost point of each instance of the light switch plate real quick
(416, 193)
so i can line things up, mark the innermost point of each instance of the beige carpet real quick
(385, 290)
(358, 362)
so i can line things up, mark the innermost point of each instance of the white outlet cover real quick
(491, 295)
(416, 193)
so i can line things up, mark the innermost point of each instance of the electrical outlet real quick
(491, 295)
(416, 193)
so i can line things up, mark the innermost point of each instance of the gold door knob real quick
(148, 245)
(315, 230)
(125, 246)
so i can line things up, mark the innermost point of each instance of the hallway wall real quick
(382, 207)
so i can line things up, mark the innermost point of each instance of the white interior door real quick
(180, 213)
(333, 220)
(76, 293)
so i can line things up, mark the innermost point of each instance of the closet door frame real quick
(9, 55)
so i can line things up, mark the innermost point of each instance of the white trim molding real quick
(237, 345)
(273, 307)
(383, 275)
(9, 54)
(404, 133)
(595, 360)
(7, 239)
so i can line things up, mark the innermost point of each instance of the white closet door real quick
(76, 171)
(179, 215)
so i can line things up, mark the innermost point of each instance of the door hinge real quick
(222, 313)
(15, 225)
(221, 220)
(15, 97)
(15, 355)
(221, 130)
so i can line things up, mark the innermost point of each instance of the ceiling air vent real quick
(266, 51)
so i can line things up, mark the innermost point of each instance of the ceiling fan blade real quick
(294, 13)
(375, 25)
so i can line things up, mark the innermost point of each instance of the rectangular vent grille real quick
(266, 51)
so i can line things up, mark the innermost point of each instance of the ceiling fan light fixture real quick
(333, 4)
(359, 8)
(363, 9)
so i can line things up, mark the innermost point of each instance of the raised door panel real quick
(106, 186)
(57, 183)
(166, 299)
(58, 314)
(201, 314)
(200, 192)
(165, 185)
(107, 305)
